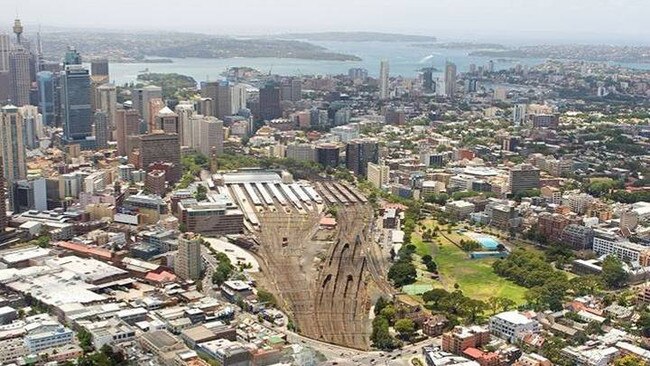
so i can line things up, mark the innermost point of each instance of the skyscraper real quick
(72, 57)
(101, 129)
(239, 97)
(99, 68)
(5, 49)
(270, 102)
(519, 113)
(12, 146)
(450, 79)
(221, 93)
(18, 31)
(428, 85)
(155, 106)
(75, 103)
(3, 204)
(291, 89)
(141, 98)
(327, 155)
(48, 98)
(161, 147)
(185, 110)
(20, 75)
(187, 264)
(210, 138)
(167, 121)
(359, 153)
(5, 77)
(383, 80)
(107, 102)
(127, 124)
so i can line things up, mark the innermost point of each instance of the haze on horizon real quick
(594, 21)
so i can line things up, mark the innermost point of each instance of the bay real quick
(404, 60)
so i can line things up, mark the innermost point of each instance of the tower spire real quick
(18, 30)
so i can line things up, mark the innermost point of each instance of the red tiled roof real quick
(163, 276)
(81, 248)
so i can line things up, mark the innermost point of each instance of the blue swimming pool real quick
(487, 242)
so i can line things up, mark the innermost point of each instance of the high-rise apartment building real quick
(187, 263)
(12, 147)
(357, 73)
(12, 144)
(100, 129)
(359, 153)
(523, 177)
(384, 92)
(378, 174)
(19, 71)
(75, 102)
(450, 79)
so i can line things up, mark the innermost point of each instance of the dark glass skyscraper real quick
(75, 103)
(47, 96)
(270, 102)
(99, 67)
(72, 57)
(359, 153)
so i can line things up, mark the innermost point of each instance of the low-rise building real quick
(460, 338)
(512, 325)
(459, 209)
(218, 217)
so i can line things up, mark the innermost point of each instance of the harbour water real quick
(405, 59)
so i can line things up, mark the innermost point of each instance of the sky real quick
(598, 21)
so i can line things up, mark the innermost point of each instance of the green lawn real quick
(474, 276)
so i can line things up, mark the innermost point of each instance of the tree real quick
(201, 193)
(629, 360)
(644, 324)
(380, 305)
(494, 304)
(405, 328)
(85, 340)
(434, 297)
(380, 335)
(266, 297)
(389, 313)
(613, 274)
(506, 303)
(402, 273)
